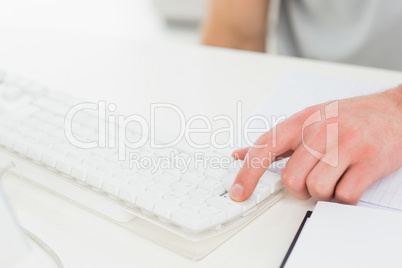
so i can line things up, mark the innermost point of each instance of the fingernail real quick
(235, 155)
(236, 192)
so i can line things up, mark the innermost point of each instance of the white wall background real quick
(134, 19)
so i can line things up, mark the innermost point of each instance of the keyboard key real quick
(223, 203)
(21, 114)
(57, 121)
(151, 172)
(105, 170)
(51, 105)
(20, 82)
(23, 130)
(92, 161)
(127, 166)
(129, 193)
(49, 142)
(216, 174)
(165, 209)
(175, 197)
(49, 159)
(216, 215)
(33, 123)
(190, 220)
(166, 153)
(140, 182)
(166, 179)
(228, 180)
(58, 97)
(21, 145)
(261, 192)
(213, 186)
(10, 92)
(113, 185)
(35, 151)
(158, 188)
(35, 90)
(192, 174)
(62, 149)
(183, 186)
(8, 122)
(42, 114)
(80, 172)
(109, 166)
(193, 204)
(95, 179)
(2, 76)
(3, 129)
(74, 154)
(124, 173)
(48, 128)
(272, 180)
(177, 173)
(200, 194)
(147, 200)
(65, 165)
(194, 178)
(245, 205)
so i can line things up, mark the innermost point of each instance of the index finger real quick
(280, 139)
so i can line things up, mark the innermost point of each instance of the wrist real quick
(395, 97)
(399, 93)
(394, 113)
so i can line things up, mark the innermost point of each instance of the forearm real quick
(239, 24)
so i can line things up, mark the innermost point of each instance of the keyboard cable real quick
(52, 254)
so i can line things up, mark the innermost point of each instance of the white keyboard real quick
(193, 203)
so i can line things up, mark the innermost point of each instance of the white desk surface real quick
(134, 74)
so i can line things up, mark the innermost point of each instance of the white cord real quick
(45, 247)
(33, 237)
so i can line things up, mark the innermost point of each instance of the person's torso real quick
(364, 32)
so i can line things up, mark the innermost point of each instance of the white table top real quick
(198, 80)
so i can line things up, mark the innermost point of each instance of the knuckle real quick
(319, 188)
(292, 182)
(346, 197)
(264, 139)
(309, 110)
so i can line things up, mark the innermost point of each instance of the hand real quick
(338, 149)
